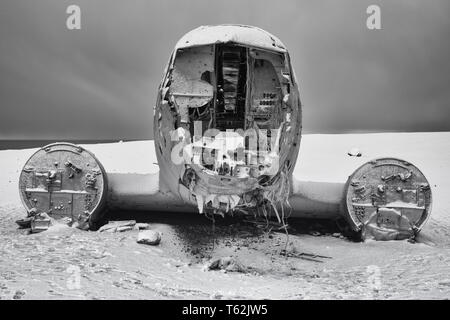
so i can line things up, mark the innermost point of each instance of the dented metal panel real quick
(190, 82)
(387, 199)
(267, 92)
(63, 180)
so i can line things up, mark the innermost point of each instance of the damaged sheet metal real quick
(190, 80)
(387, 199)
(226, 106)
(63, 180)
(225, 33)
(40, 222)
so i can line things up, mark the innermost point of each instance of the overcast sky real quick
(100, 82)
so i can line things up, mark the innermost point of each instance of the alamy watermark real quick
(373, 21)
(214, 146)
(73, 21)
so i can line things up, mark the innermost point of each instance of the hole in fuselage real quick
(231, 70)
(229, 97)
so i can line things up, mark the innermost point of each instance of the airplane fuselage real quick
(227, 122)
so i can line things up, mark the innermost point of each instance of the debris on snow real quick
(118, 226)
(226, 264)
(354, 152)
(150, 237)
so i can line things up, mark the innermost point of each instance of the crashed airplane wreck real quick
(227, 132)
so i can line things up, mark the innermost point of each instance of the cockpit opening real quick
(233, 101)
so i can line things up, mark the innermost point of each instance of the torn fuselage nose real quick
(227, 124)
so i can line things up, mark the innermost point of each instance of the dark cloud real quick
(100, 82)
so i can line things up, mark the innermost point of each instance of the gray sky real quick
(100, 82)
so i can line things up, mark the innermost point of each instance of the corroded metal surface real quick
(387, 198)
(63, 180)
(227, 107)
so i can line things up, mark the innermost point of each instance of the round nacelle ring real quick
(64, 180)
(387, 198)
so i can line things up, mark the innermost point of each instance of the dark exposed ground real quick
(114, 266)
